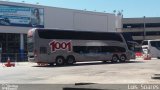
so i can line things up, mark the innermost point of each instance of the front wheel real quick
(70, 60)
(60, 60)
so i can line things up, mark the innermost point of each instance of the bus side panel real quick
(49, 49)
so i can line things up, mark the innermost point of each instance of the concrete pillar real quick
(21, 46)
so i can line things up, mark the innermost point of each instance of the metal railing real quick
(14, 57)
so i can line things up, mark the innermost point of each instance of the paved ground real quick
(135, 71)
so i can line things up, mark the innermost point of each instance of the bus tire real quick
(114, 59)
(123, 58)
(60, 60)
(158, 57)
(70, 60)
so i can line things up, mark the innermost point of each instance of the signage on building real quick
(21, 16)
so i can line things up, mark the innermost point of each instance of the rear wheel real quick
(70, 60)
(114, 59)
(158, 57)
(123, 58)
(60, 60)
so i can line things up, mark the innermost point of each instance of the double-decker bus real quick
(55, 46)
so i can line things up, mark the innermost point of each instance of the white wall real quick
(67, 19)
(79, 20)
(90, 21)
(58, 18)
(118, 23)
(111, 23)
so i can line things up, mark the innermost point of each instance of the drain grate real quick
(84, 83)
(156, 76)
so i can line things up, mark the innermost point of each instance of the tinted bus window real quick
(155, 43)
(98, 49)
(55, 34)
(145, 43)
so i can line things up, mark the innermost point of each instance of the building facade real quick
(17, 18)
(145, 28)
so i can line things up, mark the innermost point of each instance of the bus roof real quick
(71, 30)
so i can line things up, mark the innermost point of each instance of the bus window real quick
(145, 43)
(155, 44)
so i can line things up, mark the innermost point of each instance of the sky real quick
(130, 8)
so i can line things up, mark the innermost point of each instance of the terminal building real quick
(17, 18)
(145, 28)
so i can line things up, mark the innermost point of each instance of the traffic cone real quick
(9, 64)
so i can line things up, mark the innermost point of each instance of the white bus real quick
(152, 48)
(53, 46)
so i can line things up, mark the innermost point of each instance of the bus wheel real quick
(60, 60)
(158, 57)
(70, 60)
(114, 59)
(122, 58)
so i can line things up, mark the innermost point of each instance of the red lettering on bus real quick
(55, 45)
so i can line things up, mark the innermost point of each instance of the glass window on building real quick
(25, 43)
(10, 42)
(13, 41)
